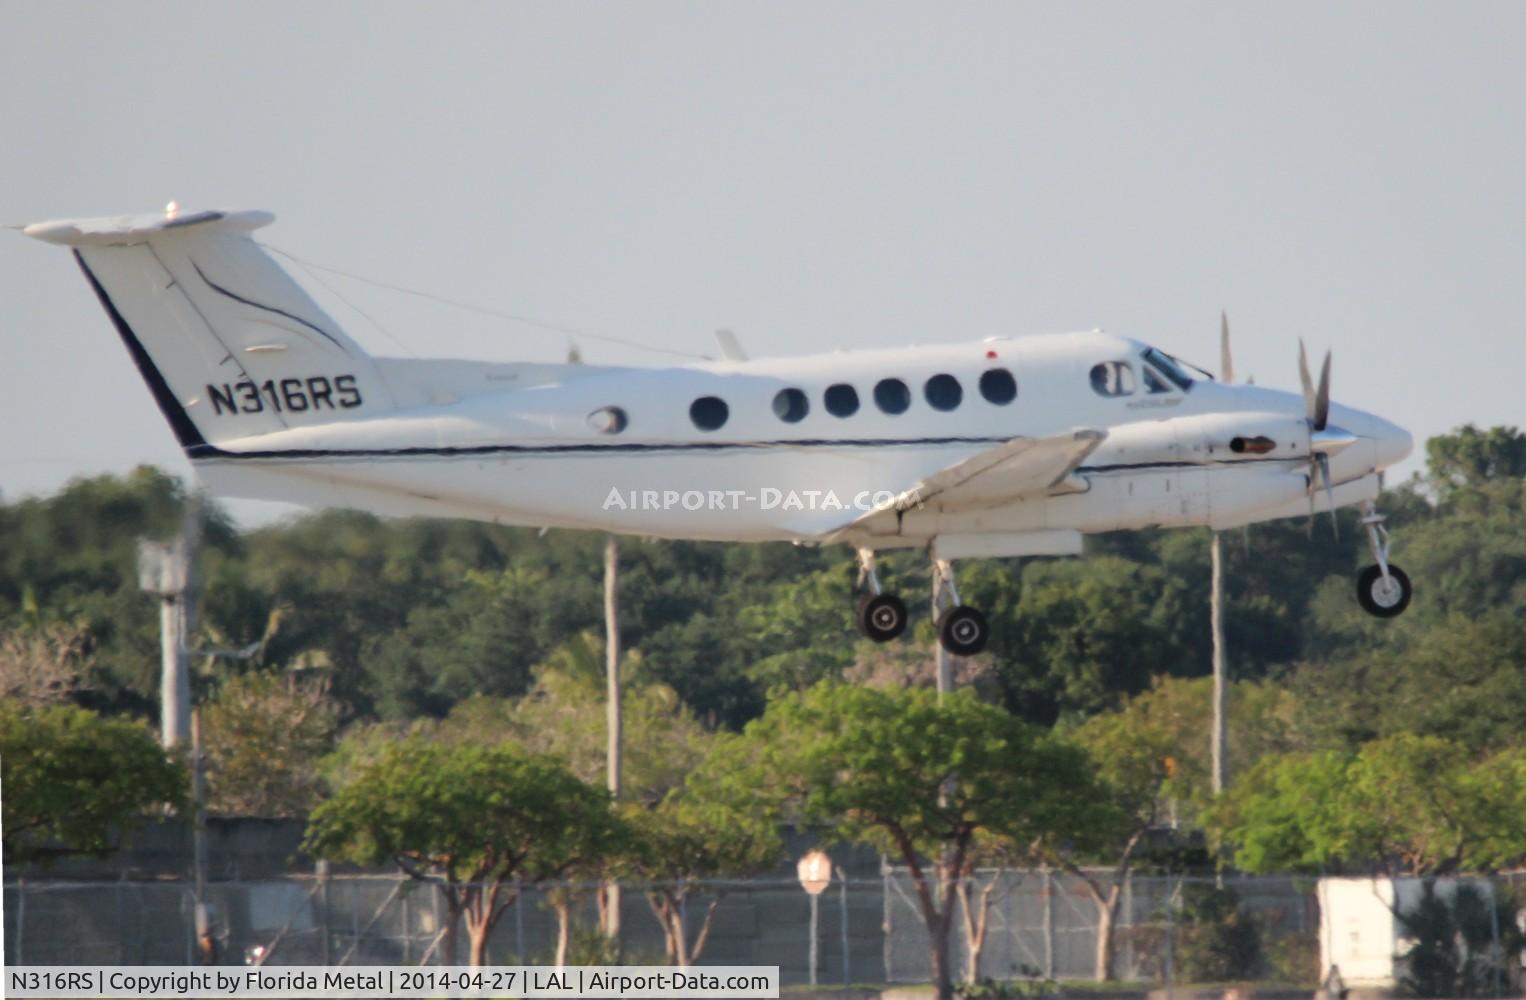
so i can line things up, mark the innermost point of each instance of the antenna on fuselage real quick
(731, 347)
(1226, 362)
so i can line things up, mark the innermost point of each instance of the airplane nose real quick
(1392, 442)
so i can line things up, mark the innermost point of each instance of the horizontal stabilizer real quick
(126, 230)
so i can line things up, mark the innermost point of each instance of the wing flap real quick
(1017, 468)
(1020, 467)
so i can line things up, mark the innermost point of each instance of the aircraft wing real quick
(1014, 469)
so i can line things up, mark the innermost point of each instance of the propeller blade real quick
(1308, 383)
(1322, 396)
(1226, 363)
(1323, 461)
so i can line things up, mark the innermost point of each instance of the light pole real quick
(815, 873)
(613, 711)
(1220, 680)
(164, 570)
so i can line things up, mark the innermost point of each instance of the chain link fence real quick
(1040, 925)
(1048, 925)
(1461, 937)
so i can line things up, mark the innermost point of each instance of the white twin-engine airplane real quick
(1000, 447)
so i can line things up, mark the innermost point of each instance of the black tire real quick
(1370, 592)
(882, 617)
(963, 631)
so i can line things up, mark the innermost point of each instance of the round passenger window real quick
(841, 400)
(943, 392)
(709, 413)
(892, 396)
(791, 406)
(998, 386)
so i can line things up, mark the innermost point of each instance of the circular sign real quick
(815, 871)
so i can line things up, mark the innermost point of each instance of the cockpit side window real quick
(1113, 378)
(1166, 365)
(1154, 381)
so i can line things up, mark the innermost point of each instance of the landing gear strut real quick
(881, 616)
(962, 630)
(1382, 590)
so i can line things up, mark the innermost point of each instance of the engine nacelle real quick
(1204, 439)
(1236, 495)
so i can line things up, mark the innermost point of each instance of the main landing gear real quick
(881, 616)
(962, 630)
(1382, 590)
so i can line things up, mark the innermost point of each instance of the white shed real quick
(1358, 931)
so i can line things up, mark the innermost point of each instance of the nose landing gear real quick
(1382, 590)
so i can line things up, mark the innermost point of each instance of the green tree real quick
(1501, 778)
(1468, 457)
(1133, 752)
(1080, 635)
(41, 664)
(75, 782)
(1392, 687)
(1467, 945)
(73, 557)
(1405, 804)
(1151, 756)
(1219, 939)
(991, 868)
(263, 736)
(476, 821)
(803, 632)
(563, 714)
(683, 843)
(919, 778)
(1286, 814)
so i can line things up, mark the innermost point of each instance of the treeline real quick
(407, 619)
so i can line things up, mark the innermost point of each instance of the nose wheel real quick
(1382, 590)
(1380, 595)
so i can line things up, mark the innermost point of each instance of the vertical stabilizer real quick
(229, 345)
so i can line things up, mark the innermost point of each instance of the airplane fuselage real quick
(491, 447)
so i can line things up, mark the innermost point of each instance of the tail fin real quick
(229, 345)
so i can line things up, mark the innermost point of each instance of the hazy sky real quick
(813, 175)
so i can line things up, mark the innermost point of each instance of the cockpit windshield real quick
(1167, 366)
